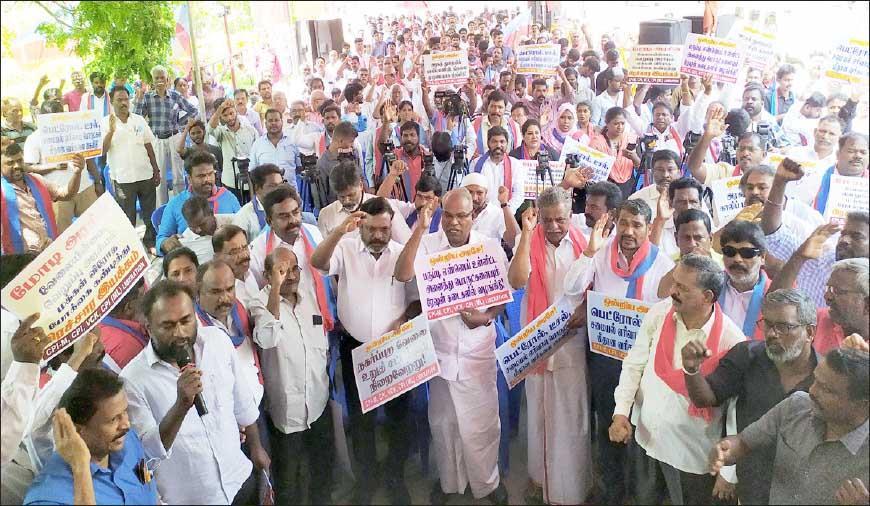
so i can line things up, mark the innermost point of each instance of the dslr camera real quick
(428, 165)
(572, 160)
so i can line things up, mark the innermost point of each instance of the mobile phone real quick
(631, 146)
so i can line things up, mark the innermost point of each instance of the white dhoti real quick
(463, 418)
(558, 426)
(169, 163)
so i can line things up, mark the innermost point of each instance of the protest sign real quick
(66, 134)
(760, 46)
(847, 194)
(448, 67)
(613, 323)
(599, 162)
(80, 276)
(519, 355)
(538, 59)
(722, 59)
(850, 62)
(394, 363)
(727, 199)
(654, 64)
(534, 184)
(462, 278)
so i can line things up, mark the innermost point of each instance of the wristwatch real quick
(504, 205)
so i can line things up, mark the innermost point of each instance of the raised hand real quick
(576, 177)
(503, 195)
(852, 491)
(596, 238)
(789, 170)
(425, 216)
(78, 163)
(813, 247)
(530, 219)
(28, 342)
(663, 207)
(397, 168)
(707, 83)
(856, 342)
(352, 222)
(694, 353)
(715, 123)
(112, 122)
(68, 443)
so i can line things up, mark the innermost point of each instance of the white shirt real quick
(205, 464)
(8, 325)
(283, 155)
(463, 353)
(333, 215)
(664, 427)
(736, 303)
(40, 434)
(258, 256)
(601, 104)
(490, 222)
(810, 189)
(247, 290)
(127, 158)
(100, 103)
(359, 276)
(808, 154)
(245, 354)
(60, 178)
(294, 358)
(233, 144)
(494, 174)
(16, 404)
(246, 218)
(201, 244)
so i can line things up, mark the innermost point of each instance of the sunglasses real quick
(746, 253)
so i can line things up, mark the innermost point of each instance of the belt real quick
(166, 135)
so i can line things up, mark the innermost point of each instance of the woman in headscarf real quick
(564, 125)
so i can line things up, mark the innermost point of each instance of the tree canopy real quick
(116, 38)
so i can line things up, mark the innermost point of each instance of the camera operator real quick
(452, 115)
(343, 145)
(235, 136)
(748, 148)
(411, 152)
(761, 121)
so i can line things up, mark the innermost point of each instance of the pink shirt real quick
(73, 99)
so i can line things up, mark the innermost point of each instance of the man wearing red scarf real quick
(559, 447)
(675, 435)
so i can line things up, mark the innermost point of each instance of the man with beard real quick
(161, 393)
(463, 402)
(557, 393)
(496, 117)
(753, 103)
(251, 217)
(97, 99)
(489, 220)
(499, 169)
(275, 147)
(626, 265)
(217, 306)
(819, 438)
(295, 353)
(200, 174)
(665, 170)
(743, 250)
(853, 157)
(195, 129)
(28, 222)
(264, 87)
(411, 155)
(427, 193)
(347, 185)
(95, 406)
(674, 435)
(364, 264)
(602, 198)
(759, 374)
(230, 245)
(234, 136)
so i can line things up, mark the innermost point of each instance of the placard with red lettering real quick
(721, 58)
(655, 64)
(447, 67)
(80, 276)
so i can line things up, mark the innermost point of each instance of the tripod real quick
(400, 189)
(457, 172)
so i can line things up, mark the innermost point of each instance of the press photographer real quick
(343, 145)
(450, 113)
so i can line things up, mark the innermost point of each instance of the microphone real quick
(183, 361)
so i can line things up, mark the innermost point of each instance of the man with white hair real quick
(489, 220)
(161, 107)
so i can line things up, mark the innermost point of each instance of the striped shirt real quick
(163, 113)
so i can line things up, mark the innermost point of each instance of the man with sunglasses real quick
(743, 249)
(759, 374)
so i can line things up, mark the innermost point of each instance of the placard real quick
(533, 180)
(721, 58)
(394, 363)
(850, 62)
(447, 67)
(655, 64)
(600, 163)
(538, 59)
(760, 46)
(519, 355)
(80, 276)
(66, 134)
(847, 194)
(470, 277)
(728, 200)
(613, 323)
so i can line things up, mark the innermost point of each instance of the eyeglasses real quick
(833, 290)
(781, 328)
(745, 253)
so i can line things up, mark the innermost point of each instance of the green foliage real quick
(117, 38)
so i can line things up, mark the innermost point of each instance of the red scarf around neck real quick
(537, 293)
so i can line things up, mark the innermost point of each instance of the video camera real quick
(459, 156)
(765, 134)
(572, 161)
(728, 154)
(543, 164)
(452, 103)
(428, 165)
(389, 153)
(648, 142)
(308, 169)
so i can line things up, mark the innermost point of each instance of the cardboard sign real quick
(448, 67)
(519, 355)
(722, 59)
(655, 64)
(538, 59)
(847, 194)
(760, 46)
(394, 363)
(534, 184)
(613, 323)
(66, 134)
(728, 200)
(470, 277)
(80, 276)
(850, 62)
(600, 163)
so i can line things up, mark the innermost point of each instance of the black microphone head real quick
(183, 357)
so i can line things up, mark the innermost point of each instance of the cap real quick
(475, 178)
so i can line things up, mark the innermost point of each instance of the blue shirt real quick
(283, 155)
(163, 112)
(173, 221)
(119, 484)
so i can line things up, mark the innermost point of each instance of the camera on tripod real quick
(428, 165)
(543, 163)
(452, 104)
(389, 154)
(308, 169)
(572, 160)
(240, 173)
(648, 142)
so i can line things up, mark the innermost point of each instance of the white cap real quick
(474, 178)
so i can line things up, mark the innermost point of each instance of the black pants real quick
(627, 188)
(612, 457)
(247, 495)
(662, 480)
(311, 449)
(362, 426)
(126, 195)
